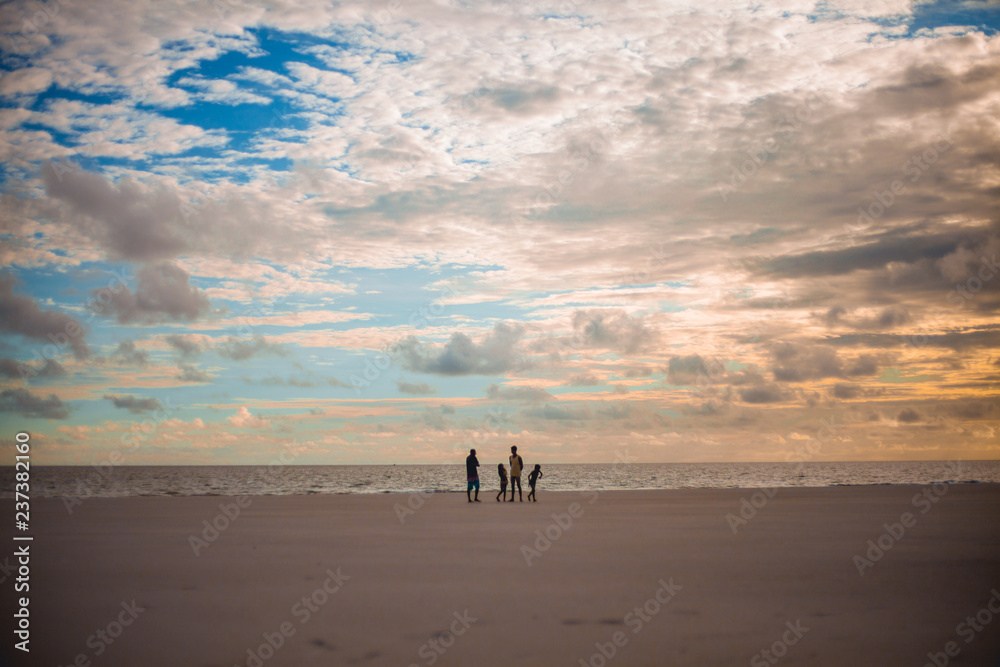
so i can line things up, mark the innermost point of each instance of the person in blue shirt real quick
(471, 465)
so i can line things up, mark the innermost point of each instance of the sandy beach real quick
(626, 578)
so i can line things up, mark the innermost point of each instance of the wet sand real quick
(645, 577)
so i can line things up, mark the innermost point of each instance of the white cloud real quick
(25, 81)
(221, 91)
(243, 419)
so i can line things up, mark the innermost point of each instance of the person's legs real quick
(513, 485)
(477, 489)
(503, 492)
(468, 491)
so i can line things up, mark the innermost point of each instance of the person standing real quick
(503, 483)
(515, 473)
(471, 465)
(532, 480)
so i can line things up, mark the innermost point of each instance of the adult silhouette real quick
(516, 464)
(471, 465)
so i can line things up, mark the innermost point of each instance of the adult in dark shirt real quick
(471, 465)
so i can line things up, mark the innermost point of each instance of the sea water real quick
(113, 481)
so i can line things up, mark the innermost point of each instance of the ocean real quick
(117, 481)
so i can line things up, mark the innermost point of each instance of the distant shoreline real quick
(458, 464)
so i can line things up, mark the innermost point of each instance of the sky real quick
(235, 231)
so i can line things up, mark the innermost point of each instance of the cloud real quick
(21, 315)
(18, 369)
(221, 91)
(13, 368)
(241, 349)
(908, 416)
(846, 390)
(582, 380)
(560, 412)
(26, 404)
(904, 245)
(527, 99)
(127, 220)
(574, 182)
(292, 381)
(26, 80)
(888, 318)
(979, 337)
(496, 354)
(127, 353)
(687, 369)
(243, 419)
(189, 373)
(163, 294)
(769, 393)
(188, 346)
(521, 394)
(793, 362)
(971, 409)
(863, 364)
(134, 404)
(613, 329)
(435, 418)
(416, 388)
(155, 223)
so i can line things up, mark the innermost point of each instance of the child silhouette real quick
(503, 483)
(532, 480)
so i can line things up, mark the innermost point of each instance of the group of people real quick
(516, 466)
